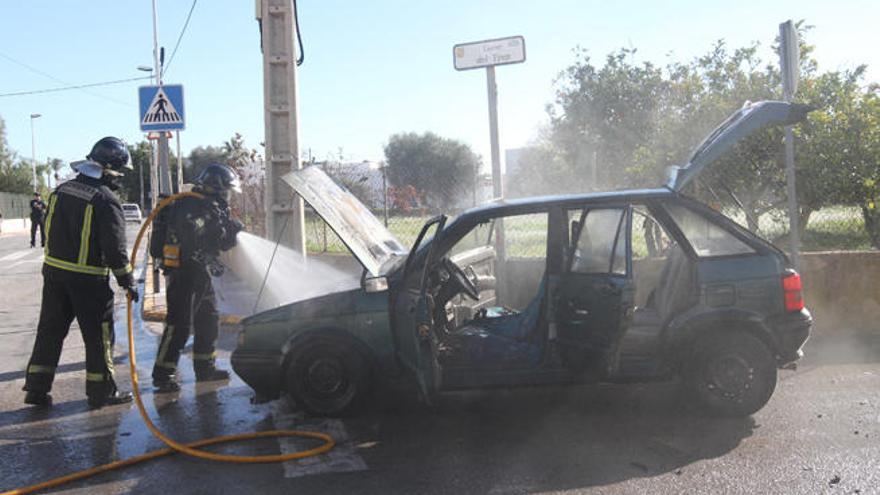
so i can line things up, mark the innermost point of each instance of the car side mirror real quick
(375, 284)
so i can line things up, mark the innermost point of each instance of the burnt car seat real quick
(675, 292)
(501, 341)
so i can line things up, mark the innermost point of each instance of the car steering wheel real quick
(457, 276)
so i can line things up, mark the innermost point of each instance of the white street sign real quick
(488, 53)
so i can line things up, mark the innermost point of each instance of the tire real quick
(730, 374)
(327, 377)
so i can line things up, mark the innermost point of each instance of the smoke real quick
(290, 278)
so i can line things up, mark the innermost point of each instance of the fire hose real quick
(193, 448)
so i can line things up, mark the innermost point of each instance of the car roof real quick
(502, 206)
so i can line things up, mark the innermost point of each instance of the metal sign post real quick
(789, 55)
(488, 54)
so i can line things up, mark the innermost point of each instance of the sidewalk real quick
(15, 226)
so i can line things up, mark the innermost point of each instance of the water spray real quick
(191, 449)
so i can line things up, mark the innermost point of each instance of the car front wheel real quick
(730, 374)
(327, 377)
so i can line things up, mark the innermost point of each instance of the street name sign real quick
(478, 54)
(161, 107)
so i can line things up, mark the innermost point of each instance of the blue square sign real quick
(161, 107)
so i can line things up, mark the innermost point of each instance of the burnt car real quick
(623, 286)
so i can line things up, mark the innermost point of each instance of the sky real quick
(372, 68)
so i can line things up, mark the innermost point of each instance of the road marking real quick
(16, 255)
(37, 259)
(342, 459)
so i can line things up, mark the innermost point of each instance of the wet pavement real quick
(820, 433)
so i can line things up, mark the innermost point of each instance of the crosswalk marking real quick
(342, 459)
(16, 255)
(36, 260)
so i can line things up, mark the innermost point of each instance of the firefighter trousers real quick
(191, 304)
(37, 223)
(89, 299)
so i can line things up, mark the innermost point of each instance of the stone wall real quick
(841, 290)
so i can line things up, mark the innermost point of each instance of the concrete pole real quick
(284, 211)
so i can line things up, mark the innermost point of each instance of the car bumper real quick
(259, 369)
(792, 332)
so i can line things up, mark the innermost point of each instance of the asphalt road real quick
(820, 433)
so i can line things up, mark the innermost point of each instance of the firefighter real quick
(85, 233)
(189, 237)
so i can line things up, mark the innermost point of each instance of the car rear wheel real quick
(730, 374)
(327, 377)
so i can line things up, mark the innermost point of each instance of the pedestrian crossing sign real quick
(161, 107)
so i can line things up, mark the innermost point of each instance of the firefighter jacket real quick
(85, 231)
(200, 227)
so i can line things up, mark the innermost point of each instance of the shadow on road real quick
(526, 441)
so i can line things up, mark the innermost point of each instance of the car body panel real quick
(370, 241)
(743, 122)
(267, 336)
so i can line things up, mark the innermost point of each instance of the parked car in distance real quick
(131, 212)
(622, 286)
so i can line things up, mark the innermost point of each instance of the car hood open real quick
(370, 242)
(746, 120)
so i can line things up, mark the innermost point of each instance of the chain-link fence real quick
(403, 210)
(14, 205)
(833, 228)
(757, 204)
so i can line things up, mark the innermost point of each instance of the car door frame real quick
(572, 284)
(415, 347)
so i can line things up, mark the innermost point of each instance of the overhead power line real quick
(79, 86)
(180, 37)
(50, 76)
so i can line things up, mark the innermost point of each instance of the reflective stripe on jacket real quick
(85, 230)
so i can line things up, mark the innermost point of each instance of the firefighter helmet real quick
(217, 178)
(112, 154)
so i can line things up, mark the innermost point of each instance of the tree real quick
(603, 114)
(442, 169)
(249, 206)
(15, 176)
(141, 161)
(200, 157)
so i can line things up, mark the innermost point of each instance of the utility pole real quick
(284, 211)
(162, 143)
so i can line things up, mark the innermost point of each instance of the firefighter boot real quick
(207, 372)
(40, 399)
(165, 382)
(115, 398)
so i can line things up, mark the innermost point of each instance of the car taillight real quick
(793, 290)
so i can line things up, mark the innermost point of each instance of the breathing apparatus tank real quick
(164, 245)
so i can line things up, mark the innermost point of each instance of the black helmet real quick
(217, 178)
(112, 154)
